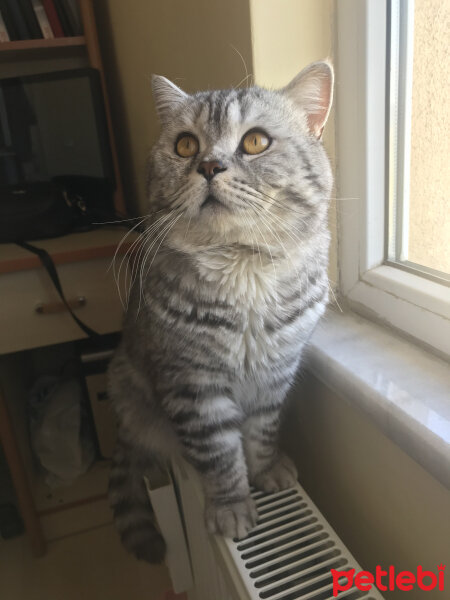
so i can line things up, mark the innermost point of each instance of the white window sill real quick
(401, 387)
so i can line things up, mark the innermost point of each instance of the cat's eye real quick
(255, 142)
(186, 145)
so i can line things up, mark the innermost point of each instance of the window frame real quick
(373, 285)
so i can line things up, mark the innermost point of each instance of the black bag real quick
(40, 210)
(36, 211)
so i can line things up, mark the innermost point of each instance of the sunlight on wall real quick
(287, 35)
(429, 234)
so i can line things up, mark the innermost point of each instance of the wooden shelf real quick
(61, 42)
(74, 247)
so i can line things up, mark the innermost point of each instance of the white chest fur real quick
(252, 283)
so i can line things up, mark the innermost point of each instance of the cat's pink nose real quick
(210, 168)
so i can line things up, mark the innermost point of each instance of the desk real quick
(82, 260)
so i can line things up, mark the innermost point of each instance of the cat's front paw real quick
(280, 476)
(234, 520)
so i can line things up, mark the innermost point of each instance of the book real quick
(73, 14)
(42, 18)
(30, 19)
(53, 18)
(4, 35)
(18, 19)
(63, 17)
(8, 20)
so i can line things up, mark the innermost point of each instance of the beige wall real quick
(385, 507)
(429, 218)
(287, 35)
(189, 42)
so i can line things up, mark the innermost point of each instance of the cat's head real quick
(242, 166)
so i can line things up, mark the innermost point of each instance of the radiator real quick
(288, 556)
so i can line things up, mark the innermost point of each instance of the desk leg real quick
(20, 481)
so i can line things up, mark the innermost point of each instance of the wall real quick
(287, 35)
(386, 508)
(430, 144)
(189, 42)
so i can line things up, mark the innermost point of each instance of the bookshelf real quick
(82, 259)
(39, 44)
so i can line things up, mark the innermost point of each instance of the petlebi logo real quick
(388, 580)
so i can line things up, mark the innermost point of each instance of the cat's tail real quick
(133, 514)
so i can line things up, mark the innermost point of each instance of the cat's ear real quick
(312, 91)
(168, 97)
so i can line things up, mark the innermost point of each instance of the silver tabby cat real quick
(231, 286)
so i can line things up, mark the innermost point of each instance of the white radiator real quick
(288, 556)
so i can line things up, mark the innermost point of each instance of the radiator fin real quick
(289, 554)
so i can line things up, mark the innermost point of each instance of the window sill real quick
(411, 303)
(401, 387)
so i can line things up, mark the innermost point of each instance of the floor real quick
(90, 565)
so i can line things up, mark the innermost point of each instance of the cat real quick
(232, 281)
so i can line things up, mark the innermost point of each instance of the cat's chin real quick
(213, 204)
(208, 229)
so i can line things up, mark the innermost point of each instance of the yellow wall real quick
(189, 42)
(430, 146)
(287, 35)
(385, 507)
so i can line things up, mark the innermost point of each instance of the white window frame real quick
(416, 306)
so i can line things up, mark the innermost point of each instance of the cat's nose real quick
(210, 168)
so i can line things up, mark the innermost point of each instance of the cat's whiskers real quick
(246, 78)
(266, 209)
(127, 257)
(160, 236)
(169, 227)
(266, 222)
(139, 241)
(271, 255)
(277, 202)
(119, 246)
(287, 227)
(260, 195)
(143, 247)
(159, 227)
(243, 61)
(187, 228)
(181, 191)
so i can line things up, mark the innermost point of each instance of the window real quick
(392, 163)
(419, 145)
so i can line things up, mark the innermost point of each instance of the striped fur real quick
(224, 301)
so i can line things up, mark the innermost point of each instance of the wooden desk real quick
(83, 260)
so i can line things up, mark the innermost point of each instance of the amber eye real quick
(255, 142)
(187, 145)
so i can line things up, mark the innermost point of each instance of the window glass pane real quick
(429, 189)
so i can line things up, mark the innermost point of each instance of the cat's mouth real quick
(213, 202)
